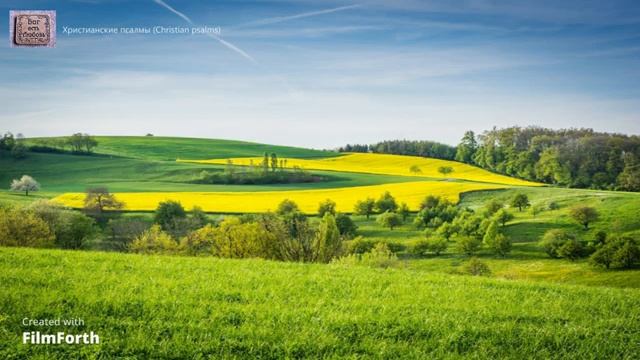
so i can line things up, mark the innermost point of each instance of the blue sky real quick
(325, 73)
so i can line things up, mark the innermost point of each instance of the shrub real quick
(72, 229)
(154, 241)
(468, 245)
(19, 227)
(389, 220)
(394, 246)
(360, 245)
(380, 257)
(571, 249)
(553, 206)
(621, 252)
(437, 245)
(558, 243)
(476, 267)
(421, 248)
(200, 242)
(346, 226)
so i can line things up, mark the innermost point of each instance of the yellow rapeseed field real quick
(388, 165)
(242, 202)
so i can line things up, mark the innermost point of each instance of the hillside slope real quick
(172, 148)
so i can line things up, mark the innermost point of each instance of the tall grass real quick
(173, 307)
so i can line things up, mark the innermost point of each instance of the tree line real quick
(405, 147)
(271, 170)
(578, 158)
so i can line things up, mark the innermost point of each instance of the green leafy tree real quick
(404, 211)
(386, 202)
(328, 206)
(503, 216)
(584, 215)
(26, 184)
(468, 245)
(365, 207)
(346, 226)
(274, 162)
(19, 151)
(415, 169)
(168, 213)
(286, 207)
(558, 243)
(446, 230)
(604, 256)
(467, 148)
(198, 217)
(498, 243)
(493, 207)
(520, 201)
(627, 252)
(328, 240)
(389, 220)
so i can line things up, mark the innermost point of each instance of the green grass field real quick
(178, 307)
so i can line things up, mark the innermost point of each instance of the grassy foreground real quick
(173, 307)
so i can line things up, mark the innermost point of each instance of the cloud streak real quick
(280, 19)
(225, 43)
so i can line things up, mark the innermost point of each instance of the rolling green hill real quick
(172, 148)
(179, 307)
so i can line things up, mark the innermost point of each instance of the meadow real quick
(162, 306)
(185, 307)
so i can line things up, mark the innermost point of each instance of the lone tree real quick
(386, 202)
(26, 184)
(389, 219)
(327, 207)
(365, 207)
(445, 170)
(520, 201)
(415, 169)
(97, 200)
(584, 215)
(168, 213)
(503, 216)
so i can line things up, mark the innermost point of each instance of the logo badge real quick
(32, 28)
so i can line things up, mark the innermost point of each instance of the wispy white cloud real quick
(227, 44)
(280, 19)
